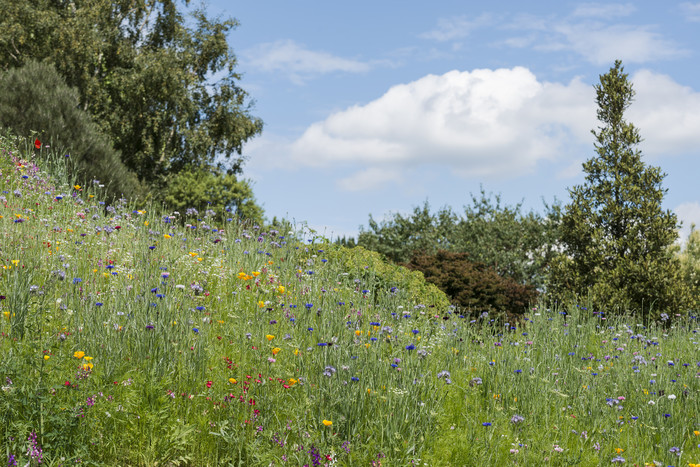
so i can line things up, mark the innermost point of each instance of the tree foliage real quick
(211, 193)
(161, 85)
(516, 244)
(689, 259)
(615, 234)
(35, 101)
(472, 285)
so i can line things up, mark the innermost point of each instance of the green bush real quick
(375, 270)
(35, 102)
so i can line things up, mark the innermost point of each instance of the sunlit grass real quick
(132, 336)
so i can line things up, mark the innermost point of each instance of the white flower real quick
(652, 402)
(671, 396)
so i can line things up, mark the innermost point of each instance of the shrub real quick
(473, 285)
(36, 102)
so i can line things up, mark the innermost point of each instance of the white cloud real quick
(689, 213)
(593, 32)
(485, 123)
(457, 27)
(602, 44)
(666, 113)
(299, 63)
(691, 11)
(369, 179)
(603, 10)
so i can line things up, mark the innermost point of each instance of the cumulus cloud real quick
(298, 62)
(666, 113)
(494, 124)
(483, 123)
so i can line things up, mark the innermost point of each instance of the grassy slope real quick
(213, 343)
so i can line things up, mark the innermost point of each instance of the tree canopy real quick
(161, 85)
(517, 245)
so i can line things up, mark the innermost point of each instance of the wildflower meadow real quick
(134, 336)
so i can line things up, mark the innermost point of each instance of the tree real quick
(615, 234)
(35, 101)
(165, 92)
(689, 258)
(516, 244)
(208, 193)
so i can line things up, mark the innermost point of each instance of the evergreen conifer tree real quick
(615, 233)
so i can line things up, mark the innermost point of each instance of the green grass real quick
(215, 343)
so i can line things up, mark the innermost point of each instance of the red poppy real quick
(37, 144)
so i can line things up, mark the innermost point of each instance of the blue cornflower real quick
(77, 280)
(486, 424)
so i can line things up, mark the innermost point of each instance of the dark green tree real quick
(160, 84)
(616, 235)
(36, 102)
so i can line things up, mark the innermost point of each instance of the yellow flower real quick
(280, 289)
(193, 254)
(327, 422)
(7, 314)
(261, 304)
(276, 350)
(269, 337)
(145, 222)
(292, 381)
(77, 187)
(87, 365)
(296, 351)
(358, 332)
(256, 273)
(15, 262)
(696, 433)
(79, 354)
(241, 275)
(619, 450)
(232, 380)
(167, 236)
(87, 359)
(46, 357)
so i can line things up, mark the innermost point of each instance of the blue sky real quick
(376, 107)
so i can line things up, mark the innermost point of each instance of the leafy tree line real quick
(612, 246)
(160, 89)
